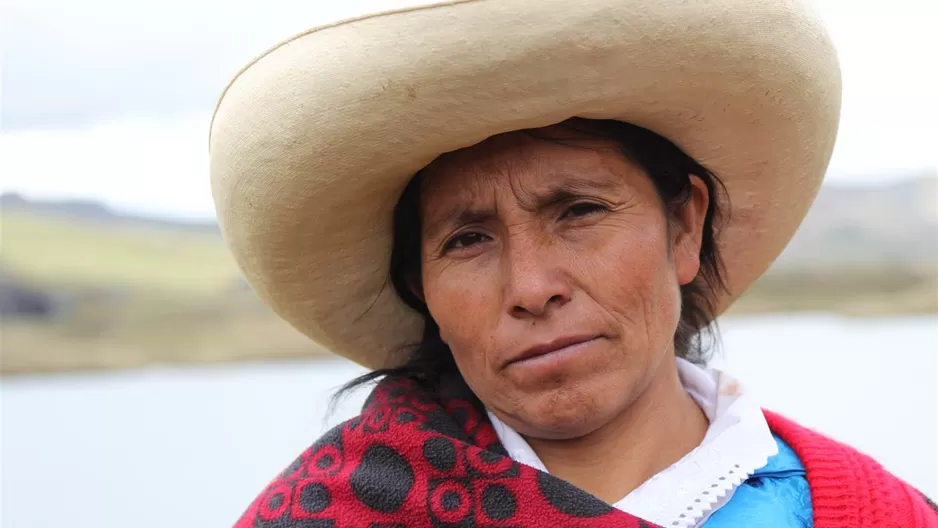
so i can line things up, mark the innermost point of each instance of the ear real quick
(688, 232)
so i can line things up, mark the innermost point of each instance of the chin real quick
(566, 413)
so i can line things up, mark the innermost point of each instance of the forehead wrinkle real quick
(558, 188)
(526, 172)
(512, 166)
(516, 184)
(555, 178)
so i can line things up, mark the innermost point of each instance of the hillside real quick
(84, 287)
(62, 250)
(99, 215)
(869, 227)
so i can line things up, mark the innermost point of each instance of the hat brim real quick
(312, 143)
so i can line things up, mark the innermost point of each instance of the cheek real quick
(466, 314)
(633, 279)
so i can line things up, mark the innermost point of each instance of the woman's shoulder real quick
(841, 478)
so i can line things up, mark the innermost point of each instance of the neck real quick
(657, 430)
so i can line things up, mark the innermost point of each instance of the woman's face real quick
(553, 277)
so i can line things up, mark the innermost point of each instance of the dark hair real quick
(430, 360)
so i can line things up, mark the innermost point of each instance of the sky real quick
(110, 100)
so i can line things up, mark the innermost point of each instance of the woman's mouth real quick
(561, 346)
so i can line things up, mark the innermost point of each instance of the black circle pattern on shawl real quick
(440, 453)
(498, 502)
(489, 464)
(314, 497)
(404, 417)
(383, 479)
(569, 499)
(450, 503)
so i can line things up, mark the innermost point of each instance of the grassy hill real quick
(63, 252)
(875, 227)
(126, 291)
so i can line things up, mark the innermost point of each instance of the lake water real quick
(190, 447)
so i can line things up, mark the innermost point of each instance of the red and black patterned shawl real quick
(417, 458)
(414, 458)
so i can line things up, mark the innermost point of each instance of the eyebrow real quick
(567, 190)
(564, 191)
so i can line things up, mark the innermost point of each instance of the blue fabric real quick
(775, 496)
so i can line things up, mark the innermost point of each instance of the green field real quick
(131, 296)
(67, 253)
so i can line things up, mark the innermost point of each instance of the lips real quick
(552, 346)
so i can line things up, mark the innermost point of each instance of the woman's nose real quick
(535, 283)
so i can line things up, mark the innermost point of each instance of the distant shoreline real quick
(67, 356)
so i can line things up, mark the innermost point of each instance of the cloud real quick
(110, 99)
(150, 166)
(72, 63)
(887, 52)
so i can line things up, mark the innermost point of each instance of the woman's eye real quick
(465, 240)
(582, 209)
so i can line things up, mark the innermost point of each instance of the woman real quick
(525, 217)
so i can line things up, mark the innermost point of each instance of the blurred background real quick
(143, 384)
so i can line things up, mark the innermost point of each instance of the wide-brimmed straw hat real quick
(313, 142)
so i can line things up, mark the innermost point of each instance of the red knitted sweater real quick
(849, 489)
